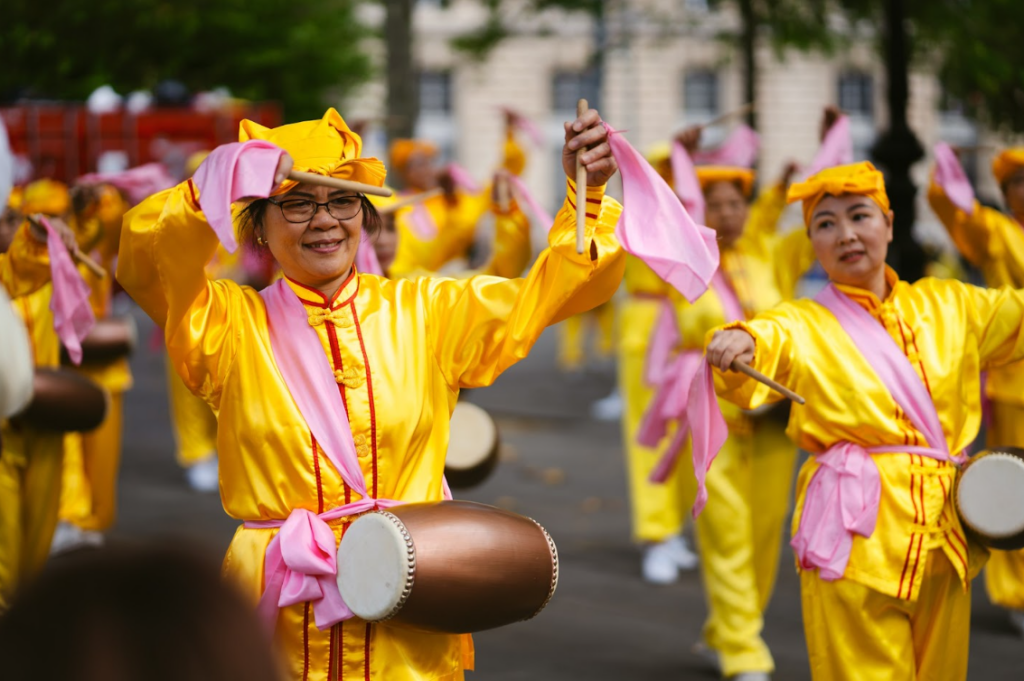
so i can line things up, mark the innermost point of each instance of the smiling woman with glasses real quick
(334, 388)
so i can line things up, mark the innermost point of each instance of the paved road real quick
(565, 471)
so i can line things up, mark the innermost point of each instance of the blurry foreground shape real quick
(128, 613)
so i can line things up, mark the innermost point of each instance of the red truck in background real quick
(63, 141)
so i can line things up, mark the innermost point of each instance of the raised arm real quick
(985, 237)
(165, 246)
(997, 319)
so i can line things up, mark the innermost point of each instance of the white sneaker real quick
(204, 476)
(750, 676)
(1017, 620)
(681, 553)
(607, 408)
(659, 566)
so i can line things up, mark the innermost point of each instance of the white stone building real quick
(662, 67)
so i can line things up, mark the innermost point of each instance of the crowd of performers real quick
(385, 288)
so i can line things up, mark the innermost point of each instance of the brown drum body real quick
(450, 566)
(63, 402)
(473, 447)
(109, 340)
(989, 496)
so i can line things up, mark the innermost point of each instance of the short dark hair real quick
(250, 221)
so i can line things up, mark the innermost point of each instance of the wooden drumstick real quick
(410, 200)
(581, 185)
(335, 183)
(761, 378)
(76, 255)
(741, 111)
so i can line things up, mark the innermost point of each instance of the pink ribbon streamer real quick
(137, 183)
(529, 128)
(836, 149)
(462, 179)
(739, 150)
(232, 172)
(685, 182)
(704, 421)
(72, 314)
(366, 257)
(523, 193)
(950, 175)
(656, 228)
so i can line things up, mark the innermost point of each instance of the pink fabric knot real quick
(301, 565)
(841, 501)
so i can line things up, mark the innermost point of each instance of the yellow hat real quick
(514, 157)
(709, 175)
(48, 197)
(15, 198)
(402, 150)
(856, 178)
(194, 161)
(1006, 163)
(325, 147)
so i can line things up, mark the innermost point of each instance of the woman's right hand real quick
(690, 138)
(284, 166)
(729, 346)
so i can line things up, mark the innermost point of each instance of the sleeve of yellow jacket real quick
(165, 247)
(990, 240)
(483, 325)
(763, 219)
(511, 249)
(25, 267)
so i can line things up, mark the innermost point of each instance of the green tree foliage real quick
(286, 50)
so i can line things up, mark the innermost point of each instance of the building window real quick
(700, 95)
(856, 97)
(436, 92)
(857, 94)
(568, 87)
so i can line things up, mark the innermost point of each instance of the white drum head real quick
(376, 566)
(990, 495)
(472, 439)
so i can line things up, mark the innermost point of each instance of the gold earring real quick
(260, 240)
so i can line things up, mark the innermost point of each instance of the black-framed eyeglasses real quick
(303, 210)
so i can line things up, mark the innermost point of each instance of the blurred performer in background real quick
(890, 371)
(993, 242)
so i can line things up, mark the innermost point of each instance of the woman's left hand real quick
(588, 132)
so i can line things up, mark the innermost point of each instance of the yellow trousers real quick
(855, 633)
(30, 479)
(572, 337)
(659, 511)
(193, 421)
(91, 465)
(1004, 572)
(740, 536)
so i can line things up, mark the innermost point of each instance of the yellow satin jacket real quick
(950, 332)
(400, 350)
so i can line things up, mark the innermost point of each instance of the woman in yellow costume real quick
(891, 374)
(30, 459)
(442, 228)
(400, 350)
(993, 242)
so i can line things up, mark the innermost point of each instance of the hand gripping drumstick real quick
(410, 200)
(581, 185)
(761, 378)
(335, 183)
(76, 255)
